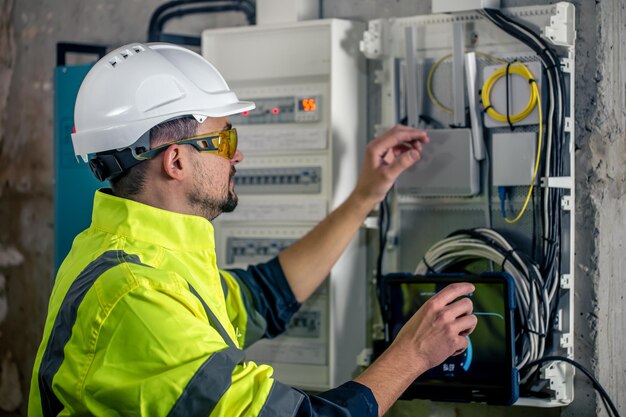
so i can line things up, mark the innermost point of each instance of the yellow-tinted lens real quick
(226, 143)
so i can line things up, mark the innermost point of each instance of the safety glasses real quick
(223, 143)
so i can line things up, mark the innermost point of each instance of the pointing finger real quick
(451, 293)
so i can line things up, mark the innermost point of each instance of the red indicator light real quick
(245, 113)
(275, 110)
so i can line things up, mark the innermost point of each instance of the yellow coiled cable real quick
(514, 68)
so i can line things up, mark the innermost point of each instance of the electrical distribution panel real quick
(302, 147)
(74, 183)
(478, 91)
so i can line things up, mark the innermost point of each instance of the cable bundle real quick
(554, 144)
(534, 296)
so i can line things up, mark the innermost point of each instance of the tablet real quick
(486, 371)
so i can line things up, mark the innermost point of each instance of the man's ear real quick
(176, 163)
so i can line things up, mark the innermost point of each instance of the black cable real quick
(598, 387)
(156, 14)
(231, 7)
(489, 184)
(606, 406)
(533, 243)
(382, 242)
(244, 6)
(507, 81)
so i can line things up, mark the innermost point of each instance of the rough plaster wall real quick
(605, 177)
(10, 392)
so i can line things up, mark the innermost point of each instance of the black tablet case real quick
(486, 371)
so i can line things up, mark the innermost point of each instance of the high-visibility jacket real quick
(142, 323)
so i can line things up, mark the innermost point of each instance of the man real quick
(142, 322)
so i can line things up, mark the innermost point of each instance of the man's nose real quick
(237, 158)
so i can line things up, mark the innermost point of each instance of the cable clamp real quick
(365, 357)
(428, 267)
(556, 372)
(569, 125)
(566, 281)
(557, 182)
(535, 332)
(508, 256)
(370, 222)
(566, 203)
(567, 65)
(565, 341)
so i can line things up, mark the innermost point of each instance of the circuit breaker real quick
(302, 146)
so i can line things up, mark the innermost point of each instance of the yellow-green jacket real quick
(142, 323)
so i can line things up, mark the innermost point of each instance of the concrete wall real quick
(29, 30)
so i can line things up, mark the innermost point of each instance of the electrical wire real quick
(433, 69)
(537, 158)
(532, 296)
(181, 12)
(511, 68)
(159, 18)
(553, 166)
(548, 282)
(596, 384)
(384, 223)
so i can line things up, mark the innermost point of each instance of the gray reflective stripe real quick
(66, 317)
(216, 323)
(224, 286)
(208, 384)
(282, 401)
(256, 324)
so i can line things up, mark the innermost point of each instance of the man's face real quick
(212, 191)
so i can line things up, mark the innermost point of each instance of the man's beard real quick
(231, 202)
(210, 207)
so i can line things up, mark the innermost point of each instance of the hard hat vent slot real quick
(126, 53)
(138, 49)
(114, 61)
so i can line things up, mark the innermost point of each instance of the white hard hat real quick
(137, 86)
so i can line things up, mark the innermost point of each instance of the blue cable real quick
(502, 194)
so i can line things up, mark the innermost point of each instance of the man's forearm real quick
(308, 261)
(390, 376)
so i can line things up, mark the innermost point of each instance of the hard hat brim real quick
(230, 109)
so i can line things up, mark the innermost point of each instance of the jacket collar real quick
(128, 218)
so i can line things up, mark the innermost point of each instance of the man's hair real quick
(131, 182)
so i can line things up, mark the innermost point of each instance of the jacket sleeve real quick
(259, 301)
(347, 400)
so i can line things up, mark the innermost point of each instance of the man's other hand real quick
(386, 157)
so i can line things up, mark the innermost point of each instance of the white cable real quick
(533, 299)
